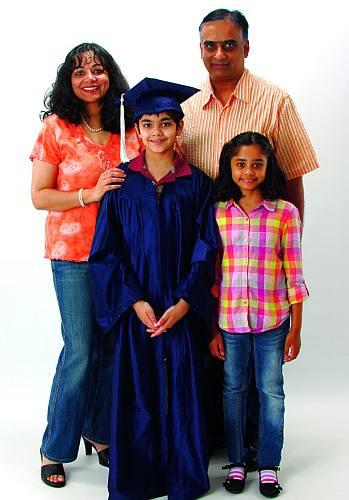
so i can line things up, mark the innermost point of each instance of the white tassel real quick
(123, 154)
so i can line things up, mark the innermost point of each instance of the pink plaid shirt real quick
(260, 270)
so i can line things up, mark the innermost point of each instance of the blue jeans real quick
(80, 394)
(267, 349)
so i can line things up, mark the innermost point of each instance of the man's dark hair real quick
(61, 100)
(233, 16)
(273, 186)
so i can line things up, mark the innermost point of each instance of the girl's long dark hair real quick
(273, 186)
(62, 101)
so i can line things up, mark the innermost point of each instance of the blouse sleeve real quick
(46, 148)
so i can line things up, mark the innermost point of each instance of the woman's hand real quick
(216, 346)
(145, 313)
(107, 181)
(46, 196)
(170, 318)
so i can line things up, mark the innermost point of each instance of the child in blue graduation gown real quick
(152, 268)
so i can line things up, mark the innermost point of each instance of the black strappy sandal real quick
(52, 470)
(103, 456)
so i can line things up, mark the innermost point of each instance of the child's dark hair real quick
(62, 101)
(176, 116)
(273, 186)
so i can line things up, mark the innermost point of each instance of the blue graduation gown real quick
(157, 248)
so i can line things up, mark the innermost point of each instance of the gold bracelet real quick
(81, 200)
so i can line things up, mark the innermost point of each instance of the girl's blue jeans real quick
(267, 349)
(80, 395)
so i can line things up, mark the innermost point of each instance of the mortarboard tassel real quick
(123, 154)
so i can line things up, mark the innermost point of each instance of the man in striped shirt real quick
(231, 101)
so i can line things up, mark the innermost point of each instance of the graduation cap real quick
(150, 96)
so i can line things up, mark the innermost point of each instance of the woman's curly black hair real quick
(273, 186)
(61, 100)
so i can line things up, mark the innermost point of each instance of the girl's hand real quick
(145, 313)
(216, 346)
(170, 318)
(108, 180)
(292, 346)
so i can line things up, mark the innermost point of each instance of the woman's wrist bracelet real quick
(81, 200)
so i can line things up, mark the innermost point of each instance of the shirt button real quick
(245, 261)
(243, 282)
(245, 240)
(153, 182)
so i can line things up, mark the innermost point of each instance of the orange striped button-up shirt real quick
(255, 105)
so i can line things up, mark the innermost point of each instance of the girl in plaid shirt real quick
(260, 291)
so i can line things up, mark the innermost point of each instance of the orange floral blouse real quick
(80, 161)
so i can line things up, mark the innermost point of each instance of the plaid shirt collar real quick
(269, 205)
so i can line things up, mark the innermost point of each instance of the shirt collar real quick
(180, 167)
(269, 205)
(242, 90)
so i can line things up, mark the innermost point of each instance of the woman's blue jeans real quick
(267, 349)
(80, 395)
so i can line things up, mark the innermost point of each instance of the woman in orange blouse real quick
(75, 162)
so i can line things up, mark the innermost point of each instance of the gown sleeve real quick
(114, 287)
(195, 287)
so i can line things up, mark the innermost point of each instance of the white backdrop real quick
(301, 46)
